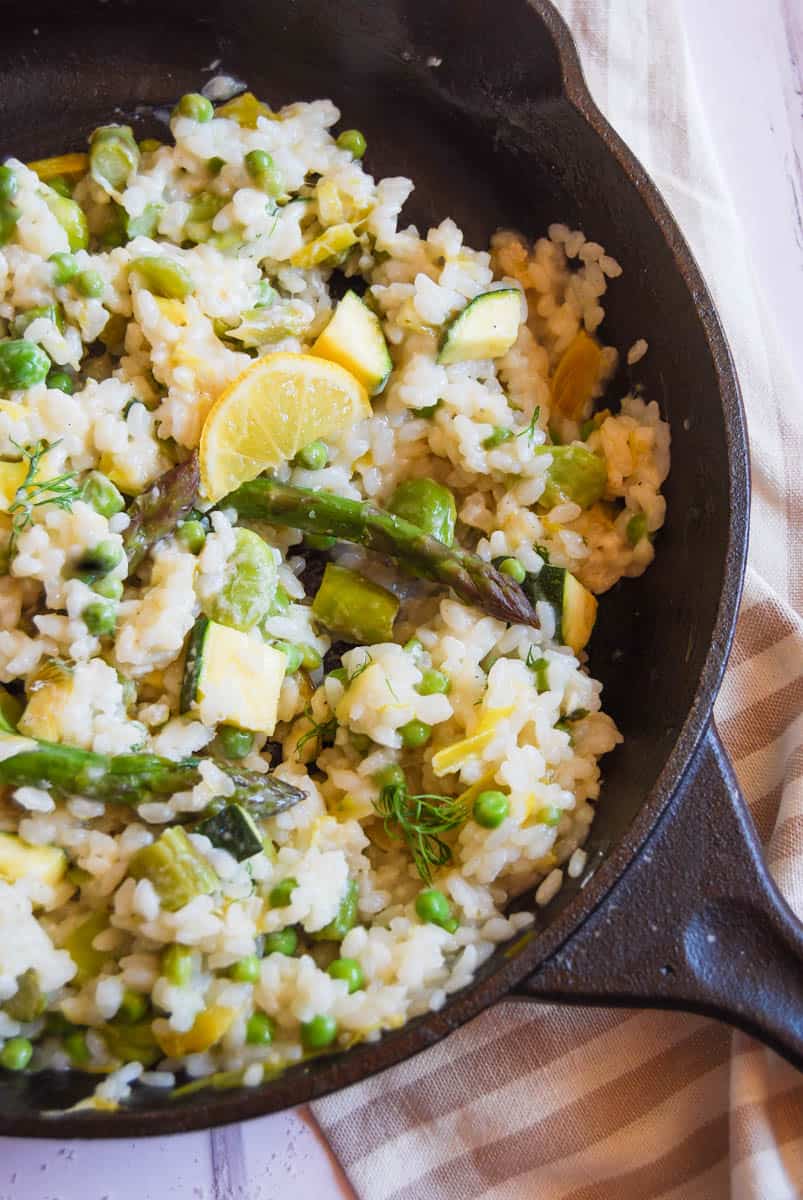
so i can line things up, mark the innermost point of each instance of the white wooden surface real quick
(748, 59)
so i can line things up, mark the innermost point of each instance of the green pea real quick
(353, 141)
(101, 494)
(361, 742)
(433, 683)
(61, 381)
(133, 1007)
(65, 267)
(196, 107)
(415, 734)
(60, 185)
(432, 907)
(313, 457)
(292, 653)
(163, 277)
(262, 169)
(250, 584)
(513, 568)
(549, 815)
(22, 364)
(319, 541)
(283, 941)
(99, 560)
(246, 970)
(16, 1054)
(414, 647)
(390, 776)
(235, 743)
(89, 284)
(150, 145)
(70, 216)
(310, 658)
(281, 893)
(192, 536)
(215, 165)
(177, 964)
(318, 1033)
(76, 1047)
(260, 1029)
(9, 216)
(113, 156)
(8, 184)
(490, 809)
(428, 505)
(637, 528)
(109, 589)
(100, 618)
(203, 209)
(496, 437)
(349, 970)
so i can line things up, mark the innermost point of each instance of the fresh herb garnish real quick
(419, 821)
(358, 670)
(61, 490)
(324, 731)
(531, 428)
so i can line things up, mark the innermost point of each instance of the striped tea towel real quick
(545, 1103)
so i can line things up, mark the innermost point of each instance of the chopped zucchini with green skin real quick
(11, 709)
(486, 328)
(27, 1003)
(78, 945)
(231, 678)
(18, 860)
(233, 829)
(132, 1043)
(345, 919)
(352, 606)
(251, 579)
(427, 504)
(354, 339)
(575, 474)
(175, 868)
(70, 216)
(574, 606)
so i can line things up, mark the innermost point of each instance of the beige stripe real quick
(760, 676)
(764, 770)
(769, 1175)
(759, 628)
(763, 721)
(792, 446)
(787, 841)
(578, 1124)
(762, 1126)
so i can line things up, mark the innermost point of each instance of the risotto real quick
(303, 513)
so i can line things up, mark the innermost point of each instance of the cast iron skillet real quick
(676, 909)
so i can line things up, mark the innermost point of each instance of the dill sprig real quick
(419, 821)
(61, 491)
(324, 731)
(531, 428)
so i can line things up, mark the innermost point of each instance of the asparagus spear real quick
(470, 577)
(155, 513)
(136, 778)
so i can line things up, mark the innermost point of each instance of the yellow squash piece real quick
(330, 206)
(70, 166)
(239, 680)
(245, 109)
(329, 248)
(279, 404)
(18, 860)
(207, 1029)
(454, 757)
(48, 697)
(12, 476)
(576, 376)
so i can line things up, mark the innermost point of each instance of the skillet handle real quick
(696, 923)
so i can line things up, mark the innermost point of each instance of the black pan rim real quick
(303, 1084)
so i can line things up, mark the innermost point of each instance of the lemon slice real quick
(280, 404)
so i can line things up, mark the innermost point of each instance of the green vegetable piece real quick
(340, 674)
(196, 107)
(65, 267)
(549, 815)
(203, 209)
(353, 141)
(541, 667)
(100, 618)
(513, 568)
(320, 541)
(637, 528)
(76, 1047)
(354, 607)
(27, 1003)
(415, 734)
(260, 1029)
(235, 743)
(391, 776)
(433, 683)
(109, 589)
(175, 868)
(292, 653)
(150, 145)
(361, 742)
(215, 165)
(246, 970)
(192, 536)
(78, 945)
(350, 971)
(61, 381)
(576, 474)
(414, 647)
(310, 657)
(146, 224)
(99, 560)
(281, 893)
(60, 185)
(432, 907)
(22, 365)
(427, 504)
(99, 491)
(233, 829)
(313, 457)
(163, 277)
(89, 284)
(345, 919)
(70, 216)
(155, 513)
(490, 809)
(9, 216)
(50, 312)
(251, 577)
(262, 169)
(133, 1007)
(318, 1033)
(496, 437)
(283, 941)
(8, 184)
(177, 964)
(11, 709)
(113, 156)
(16, 1054)
(132, 1043)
